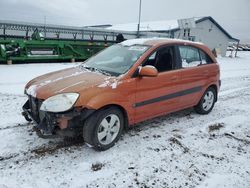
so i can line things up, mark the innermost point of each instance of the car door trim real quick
(168, 97)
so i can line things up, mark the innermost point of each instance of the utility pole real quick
(139, 21)
(45, 19)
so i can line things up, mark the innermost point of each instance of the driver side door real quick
(158, 95)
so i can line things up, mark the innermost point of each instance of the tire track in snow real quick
(43, 150)
(16, 126)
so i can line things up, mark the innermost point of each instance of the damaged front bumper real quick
(52, 125)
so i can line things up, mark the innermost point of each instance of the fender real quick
(113, 98)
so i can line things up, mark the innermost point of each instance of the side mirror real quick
(148, 71)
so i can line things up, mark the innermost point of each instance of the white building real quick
(203, 29)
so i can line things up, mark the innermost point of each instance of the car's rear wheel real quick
(207, 102)
(103, 128)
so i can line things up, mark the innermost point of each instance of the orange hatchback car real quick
(124, 84)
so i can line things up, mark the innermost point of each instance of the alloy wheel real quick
(108, 129)
(208, 101)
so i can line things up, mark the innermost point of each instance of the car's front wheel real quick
(103, 128)
(207, 102)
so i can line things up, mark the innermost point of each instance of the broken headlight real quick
(59, 103)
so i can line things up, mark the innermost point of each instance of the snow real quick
(132, 42)
(14, 77)
(147, 26)
(162, 25)
(110, 82)
(142, 41)
(32, 90)
(182, 149)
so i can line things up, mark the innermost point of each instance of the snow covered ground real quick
(182, 149)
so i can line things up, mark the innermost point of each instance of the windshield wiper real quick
(85, 67)
(93, 69)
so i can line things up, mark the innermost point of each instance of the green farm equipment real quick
(17, 50)
(27, 42)
(39, 49)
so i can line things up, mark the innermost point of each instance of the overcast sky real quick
(233, 15)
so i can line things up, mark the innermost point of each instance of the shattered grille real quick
(35, 105)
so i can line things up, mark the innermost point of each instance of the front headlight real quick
(60, 102)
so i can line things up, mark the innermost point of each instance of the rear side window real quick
(205, 59)
(190, 56)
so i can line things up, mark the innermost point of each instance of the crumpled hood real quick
(68, 80)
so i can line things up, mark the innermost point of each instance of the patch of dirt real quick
(176, 130)
(97, 166)
(16, 126)
(43, 150)
(8, 157)
(212, 156)
(176, 141)
(157, 136)
(245, 141)
(178, 136)
(215, 127)
(52, 149)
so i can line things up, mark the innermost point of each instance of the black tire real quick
(199, 108)
(25, 115)
(93, 124)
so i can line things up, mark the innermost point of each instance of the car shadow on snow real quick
(164, 120)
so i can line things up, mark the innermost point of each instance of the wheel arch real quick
(214, 86)
(114, 99)
(122, 109)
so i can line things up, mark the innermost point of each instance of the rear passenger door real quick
(194, 74)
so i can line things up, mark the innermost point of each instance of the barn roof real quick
(148, 26)
(165, 26)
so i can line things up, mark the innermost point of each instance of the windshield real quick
(116, 59)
